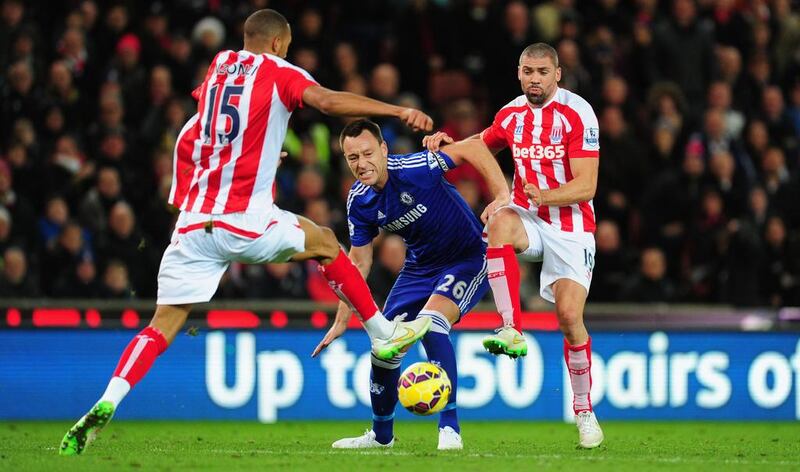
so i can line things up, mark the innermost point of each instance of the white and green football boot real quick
(86, 429)
(405, 334)
(508, 341)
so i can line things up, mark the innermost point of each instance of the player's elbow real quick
(590, 190)
(327, 103)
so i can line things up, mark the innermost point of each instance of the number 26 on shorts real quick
(459, 288)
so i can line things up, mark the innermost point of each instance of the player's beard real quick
(536, 99)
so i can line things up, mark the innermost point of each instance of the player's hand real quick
(333, 333)
(533, 192)
(433, 141)
(498, 202)
(416, 120)
(283, 155)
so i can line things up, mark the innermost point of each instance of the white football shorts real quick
(203, 246)
(564, 255)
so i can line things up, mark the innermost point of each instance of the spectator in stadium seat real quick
(390, 260)
(346, 63)
(615, 93)
(7, 239)
(287, 280)
(684, 51)
(63, 256)
(719, 98)
(623, 168)
(55, 217)
(16, 282)
(62, 92)
(574, 76)
(706, 248)
(82, 282)
(779, 124)
(124, 242)
(729, 182)
(715, 141)
(97, 203)
(12, 18)
(650, 284)
(612, 264)
(669, 202)
(116, 283)
(384, 85)
(19, 98)
(180, 64)
(779, 272)
(756, 80)
(777, 180)
(21, 209)
(741, 285)
(503, 49)
(24, 172)
(160, 93)
(127, 70)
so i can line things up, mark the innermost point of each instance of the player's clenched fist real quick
(416, 120)
(533, 192)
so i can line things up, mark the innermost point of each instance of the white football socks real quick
(116, 391)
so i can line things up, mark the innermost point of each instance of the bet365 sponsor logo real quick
(539, 151)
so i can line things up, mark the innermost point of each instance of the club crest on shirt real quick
(406, 198)
(591, 137)
(556, 133)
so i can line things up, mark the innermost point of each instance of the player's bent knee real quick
(502, 226)
(325, 245)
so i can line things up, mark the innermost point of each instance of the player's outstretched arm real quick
(336, 103)
(362, 258)
(480, 156)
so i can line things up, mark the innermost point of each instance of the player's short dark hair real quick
(540, 50)
(355, 128)
(266, 24)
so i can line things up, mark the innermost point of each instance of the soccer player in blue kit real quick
(445, 270)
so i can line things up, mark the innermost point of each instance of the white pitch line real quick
(388, 452)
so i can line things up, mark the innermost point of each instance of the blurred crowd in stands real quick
(698, 197)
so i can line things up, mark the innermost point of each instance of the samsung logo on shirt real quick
(405, 220)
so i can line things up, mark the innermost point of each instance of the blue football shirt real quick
(419, 205)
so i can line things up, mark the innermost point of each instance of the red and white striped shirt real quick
(542, 141)
(227, 154)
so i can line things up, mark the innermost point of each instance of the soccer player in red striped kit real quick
(225, 161)
(553, 137)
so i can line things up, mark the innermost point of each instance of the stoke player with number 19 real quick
(444, 275)
(553, 136)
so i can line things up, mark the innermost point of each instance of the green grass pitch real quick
(489, 446)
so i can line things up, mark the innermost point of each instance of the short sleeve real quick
(292, 82)
(584, 139)
(361, 233)
(422, 168)
(197, 92)
(495, 136)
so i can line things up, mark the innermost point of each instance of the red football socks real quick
(140, 354)
(503, 276)
(349, 285)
